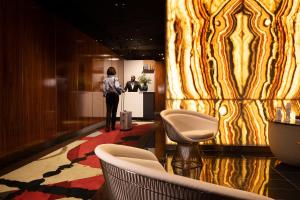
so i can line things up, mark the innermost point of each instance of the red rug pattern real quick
(82, 154)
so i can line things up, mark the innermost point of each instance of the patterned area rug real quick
(71, 172)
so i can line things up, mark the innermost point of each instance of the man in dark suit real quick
(132, 85)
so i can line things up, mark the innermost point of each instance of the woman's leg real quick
(108, 111)
(114, 110)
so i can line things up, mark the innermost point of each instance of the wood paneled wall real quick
(45, 64)
(160, 83)
(160, 86)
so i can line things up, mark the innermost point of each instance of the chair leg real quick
(190, 173)
(187, 156)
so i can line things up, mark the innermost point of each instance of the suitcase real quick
(125, 120)
(125, 116)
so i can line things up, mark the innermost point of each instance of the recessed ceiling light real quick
(104, 55)
(113, 59)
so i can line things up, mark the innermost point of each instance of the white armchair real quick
(188, 128)
(285, 142)
(131, 173)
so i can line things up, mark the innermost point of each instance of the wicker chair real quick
(188, 128)
(131, 173)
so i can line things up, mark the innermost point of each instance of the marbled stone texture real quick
(242, 56)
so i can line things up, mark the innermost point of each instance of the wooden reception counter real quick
(141, 104)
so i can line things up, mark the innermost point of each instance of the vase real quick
(144, 87)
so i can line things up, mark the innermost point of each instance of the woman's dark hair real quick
(111, 71)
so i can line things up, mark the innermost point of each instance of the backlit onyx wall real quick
(236, 60)
(45, 65)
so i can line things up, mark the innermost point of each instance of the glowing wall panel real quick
(242, 56)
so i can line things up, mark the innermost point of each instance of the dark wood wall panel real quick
(1, 78)
(11, 76)
(66, 72)
(45, 65)
(160, 86)
(160, 83)
(38, 61)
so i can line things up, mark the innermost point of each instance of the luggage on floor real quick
(125, 116)
(125, 120)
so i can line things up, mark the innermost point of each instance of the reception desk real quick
(141, 104)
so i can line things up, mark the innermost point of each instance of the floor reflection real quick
(193, 173)
(261, 175)
(256, 172)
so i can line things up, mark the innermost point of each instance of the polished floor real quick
(256, 172)
(261, 175)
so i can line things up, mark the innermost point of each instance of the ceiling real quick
(134, 29)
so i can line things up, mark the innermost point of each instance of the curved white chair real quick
(285, 142)
(188, 128)
(132, 173)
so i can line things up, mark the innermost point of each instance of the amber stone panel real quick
(242, 52)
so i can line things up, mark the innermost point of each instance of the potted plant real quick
(144, 80)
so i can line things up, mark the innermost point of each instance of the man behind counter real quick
(132, 85)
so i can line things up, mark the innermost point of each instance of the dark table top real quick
(292, 122)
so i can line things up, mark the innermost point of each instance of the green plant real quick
(144, 79)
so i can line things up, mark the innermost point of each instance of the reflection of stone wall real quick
(251, 175)
(239, 55)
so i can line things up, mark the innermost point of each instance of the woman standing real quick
(111, 91)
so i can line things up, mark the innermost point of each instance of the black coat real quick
(136, 86)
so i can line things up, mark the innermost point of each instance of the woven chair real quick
(285, 142)
(188, 128)
(131, 173)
